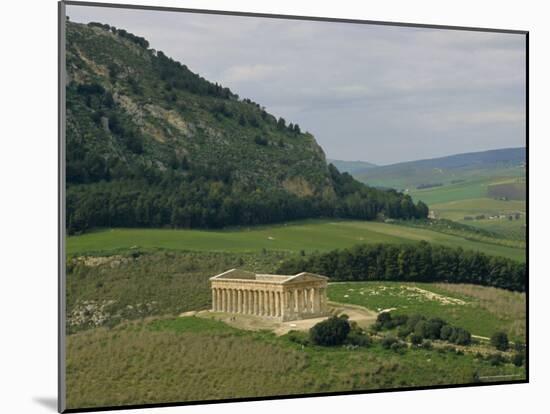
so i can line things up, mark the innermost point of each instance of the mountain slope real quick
(174, 116)
(446, 170)
(150, 143)
(352, 166)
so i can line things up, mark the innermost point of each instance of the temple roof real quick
(244, 275)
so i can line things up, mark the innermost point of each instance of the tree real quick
(447, 332)
(518, 359)
(416, 339)
(330, 332)
(462, 337)
(500, 341)
(258, 139)
(385, 320)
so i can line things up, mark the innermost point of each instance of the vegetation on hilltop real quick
(420, 262)
(151, 144)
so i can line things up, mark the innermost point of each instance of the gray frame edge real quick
(61, 301)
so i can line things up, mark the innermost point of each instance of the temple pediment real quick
(238, 274)
(305, 277)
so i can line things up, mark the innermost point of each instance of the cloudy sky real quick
(381, 94)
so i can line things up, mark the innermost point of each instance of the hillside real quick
(151, 144)
(446, 170)
(352, 166)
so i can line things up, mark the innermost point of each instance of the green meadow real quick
(479, 309)
(310, 235)
(206, 360)
(500, 210)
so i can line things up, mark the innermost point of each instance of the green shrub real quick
(426, 344)
(358, 339)
(330, 332)
(500, 341)
(376, 327)
(403, 332)
(388, 341)
(461, 337)
(400, 320)
(447, 332)
(398, 347)
(385, 320)
(518, 359)
(433, 328)
(414, 319)
(416, 339)
(421, 329)
(496, 359)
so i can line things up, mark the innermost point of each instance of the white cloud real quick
(254, 72)
(390, 93)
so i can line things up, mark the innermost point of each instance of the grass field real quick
(310, 235)
(481, 310)
(203, 360)
(512, 229)
(472, 188)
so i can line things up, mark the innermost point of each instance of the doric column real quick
(286, 303)
(233, 300)
(314, 302)
(290, 304)
(262, 303)
(277, 304)
(239, 301)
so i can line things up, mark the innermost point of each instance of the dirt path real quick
(362, 316)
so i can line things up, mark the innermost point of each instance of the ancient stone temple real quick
(281, 297)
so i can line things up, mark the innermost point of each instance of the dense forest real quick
(204, 199)
(152, 144)
(421, 262)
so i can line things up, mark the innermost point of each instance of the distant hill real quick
(445, 170)
(152, 144)
(351, 166)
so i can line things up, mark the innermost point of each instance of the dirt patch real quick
(362, 316)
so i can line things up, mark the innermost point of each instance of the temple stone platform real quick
(362, 316)
(276, 297)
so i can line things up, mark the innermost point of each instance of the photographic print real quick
(259, 206)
